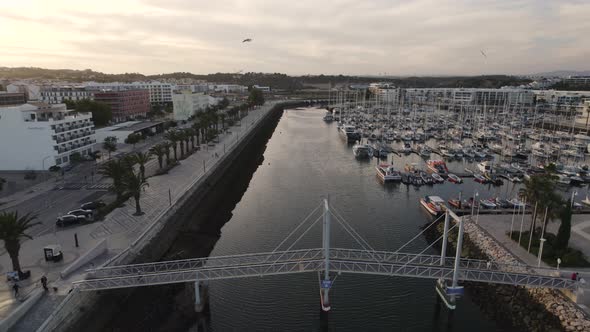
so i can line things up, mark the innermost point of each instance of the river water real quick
(305, 161)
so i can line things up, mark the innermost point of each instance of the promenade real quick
(115, 233)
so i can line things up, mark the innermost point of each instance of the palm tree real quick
(12, 230)
(172, 137)
(180, 135)
(116, 170)
(167, 146)
(187, 137)
(159, 151)
(222, 117)
(191, 133)
(197, 129)
(142, 158)
(134, 185)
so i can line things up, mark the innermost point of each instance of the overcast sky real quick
(298, 36)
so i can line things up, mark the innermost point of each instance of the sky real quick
(298, 37)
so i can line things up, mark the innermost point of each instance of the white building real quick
(262, 88)
(159, 92)
(228, 88)
(31, 91)
(187, 104)
(57, 94)
(36, 136)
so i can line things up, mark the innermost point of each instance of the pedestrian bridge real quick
(332, 262)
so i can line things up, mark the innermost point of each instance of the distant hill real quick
(274, 80)
(564, 73)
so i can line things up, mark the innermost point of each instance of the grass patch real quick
(569, 257)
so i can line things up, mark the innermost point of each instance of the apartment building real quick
(39, 135)
(187, 104)
(125, 104)
(57, 94)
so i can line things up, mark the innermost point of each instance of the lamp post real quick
(512, 222)
(475, 194)
(558, 262)
(574, 193)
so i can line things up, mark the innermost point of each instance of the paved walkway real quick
(120, 227)
(498, 225)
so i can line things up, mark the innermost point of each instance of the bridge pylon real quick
(450, 293)
(326, 282)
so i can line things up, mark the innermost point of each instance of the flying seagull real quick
(247, 40)
(482, 53)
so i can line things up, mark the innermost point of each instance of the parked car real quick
(67, 167)
(69, 219)
(81, 212)
(92, 205)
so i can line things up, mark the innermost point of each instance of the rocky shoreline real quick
(520, 308)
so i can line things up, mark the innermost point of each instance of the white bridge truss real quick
(329, 261)
(311, 260)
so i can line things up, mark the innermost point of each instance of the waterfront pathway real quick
(120, 228)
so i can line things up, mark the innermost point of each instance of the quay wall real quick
(80, 308)
(523, 308)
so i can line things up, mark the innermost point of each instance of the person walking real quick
(44, 283)
(15, 288)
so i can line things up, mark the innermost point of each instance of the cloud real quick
(299, 37)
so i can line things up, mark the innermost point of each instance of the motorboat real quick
(515, 202)
(454, 178)
(433, 204)
(426, 179)
(479, 178)
(362, 151)
(328, 117)
(349, 133)
(437, 166)
(387, 173)
(454, 203)
(488, 203)
(407, 149)
(437, 178)
(484, 167)
(447, 153)
(563, 179)
(502, 203)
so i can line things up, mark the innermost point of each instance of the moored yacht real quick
(433, 204)
(387, 173)
(437, 166)
(349, 133)
(362, 151)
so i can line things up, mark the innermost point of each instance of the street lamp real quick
(574, 193)
(475, 194)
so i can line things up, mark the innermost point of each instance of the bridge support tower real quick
(450, 293)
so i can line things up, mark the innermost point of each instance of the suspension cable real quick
(352, 228)
(354, 237)
(422, 232)
(291, 246)
(296, 228)
(430, 246)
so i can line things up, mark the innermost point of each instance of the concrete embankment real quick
(521, 308)
(81, 308)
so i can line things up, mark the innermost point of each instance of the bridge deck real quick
(311, 260)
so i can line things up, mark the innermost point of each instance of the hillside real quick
(274, 80)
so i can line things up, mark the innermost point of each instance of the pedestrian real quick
(574, 276)
(489, 264)
(15, 288)
(44, 283)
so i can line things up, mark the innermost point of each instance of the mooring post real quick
(326, 284)
(443, 251)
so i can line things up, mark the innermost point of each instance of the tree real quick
(197, 129)
(187, 134)
(133, 185)
(564, 232)
(12, 230)
(70, 104)
(110, 144)
(180, 135)
(142, 158)
(116, 170)
(166, 146)
(222, 117)
(133, 138)
(191, 134)
(172, 137)
(159, 151)
(256, 97)
(101, 112)
(76, 157)
(223, 103)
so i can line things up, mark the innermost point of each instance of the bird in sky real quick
(247, 40)
(483, 53)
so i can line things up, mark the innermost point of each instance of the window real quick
(57, 161)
